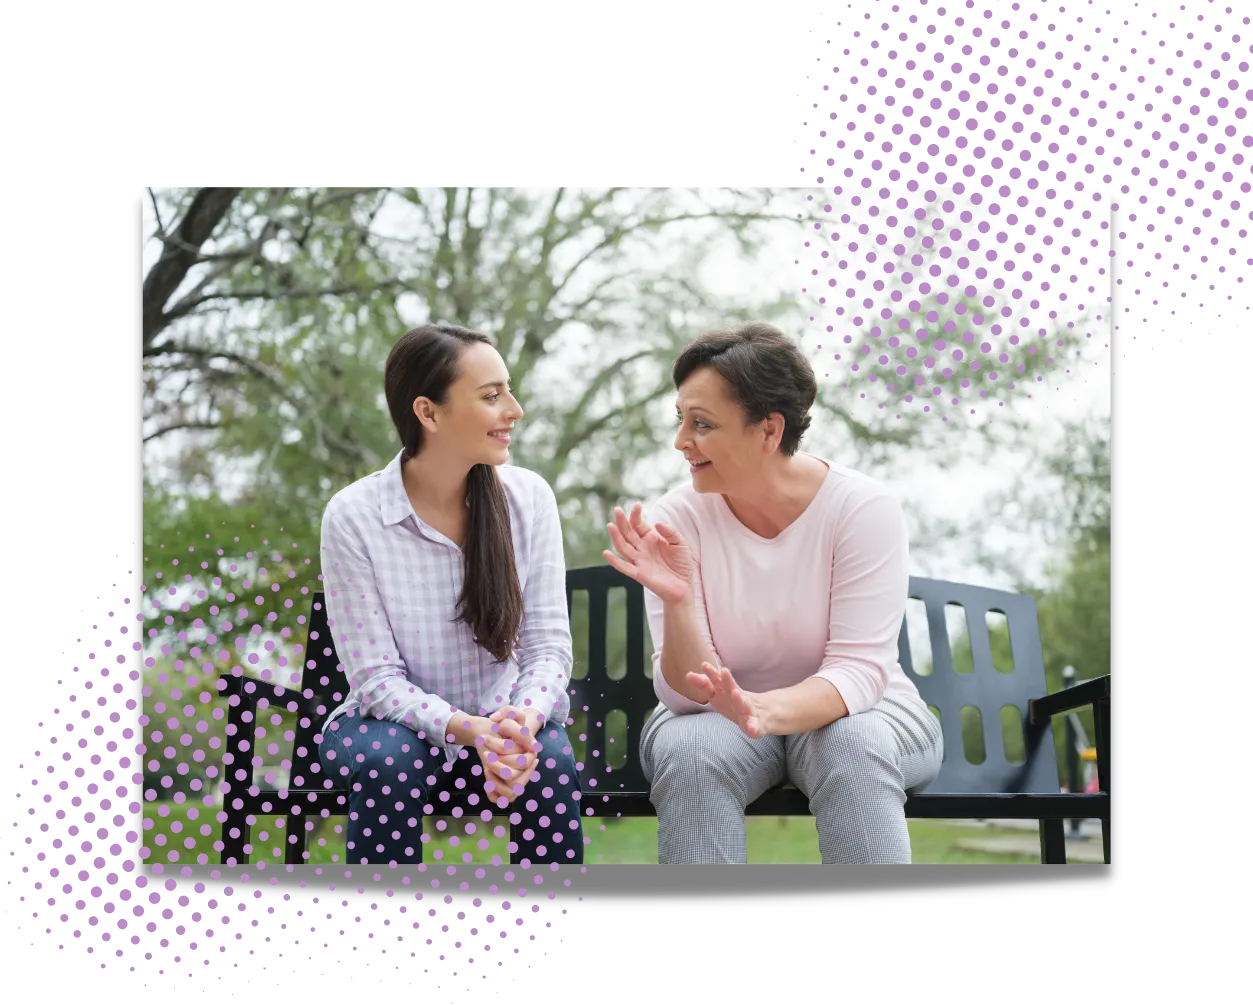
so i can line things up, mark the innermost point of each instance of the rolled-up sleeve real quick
(655, 609)
(545, 654)
(869, 587)
(363, 636)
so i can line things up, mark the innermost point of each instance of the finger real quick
(624, 544)
(517, 733)
(615, 560)
(638, 524)
(624, 526)
(624, 567)
(701, 683)
(503, 740)
(671, 535)
(512, 726)
(618, 539)
(505, 791)
(715, 676)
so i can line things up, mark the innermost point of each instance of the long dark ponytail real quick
(424, 363)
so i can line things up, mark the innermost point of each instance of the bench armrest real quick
(252, 690)
(1089, 692)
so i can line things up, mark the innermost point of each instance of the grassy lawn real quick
(188, 832)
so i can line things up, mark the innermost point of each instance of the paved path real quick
(1087, 848)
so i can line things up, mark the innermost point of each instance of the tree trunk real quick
(181, 253)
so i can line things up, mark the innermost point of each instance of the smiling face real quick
(478, 410)
(723, 453)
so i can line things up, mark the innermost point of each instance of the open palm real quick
(656, 557)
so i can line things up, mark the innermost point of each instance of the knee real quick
(555, 765)
(376, 755)
(854, 747)
(685, 765)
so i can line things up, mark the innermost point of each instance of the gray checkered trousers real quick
(855, 771)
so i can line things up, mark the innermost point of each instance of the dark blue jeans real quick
(396, 780)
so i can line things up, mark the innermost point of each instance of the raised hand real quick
(656, 557)
(747, 709)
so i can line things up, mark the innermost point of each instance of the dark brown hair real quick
(424, 362)
(765, 371)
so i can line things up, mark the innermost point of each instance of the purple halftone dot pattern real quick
(951, 301)
(223, 792)
(991, 171)
(79, 889)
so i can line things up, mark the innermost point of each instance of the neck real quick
(775, 499)
(436, 483)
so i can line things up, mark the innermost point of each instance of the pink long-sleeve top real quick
(824, 598)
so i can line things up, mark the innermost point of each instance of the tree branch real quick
(330, 291)
(181, 425)
(321, 432)
(569, 437)
(596, 425)
(180, 254)
(156, 211)
(616, 235)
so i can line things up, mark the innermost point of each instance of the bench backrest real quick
(597, 695)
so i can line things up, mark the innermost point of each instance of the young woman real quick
(776, 586)
(435, 569)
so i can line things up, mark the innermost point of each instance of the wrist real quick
(680, 604)
(464, 728)
(767, 707)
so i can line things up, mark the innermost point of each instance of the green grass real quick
(190, 830)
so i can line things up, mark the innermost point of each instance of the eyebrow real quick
(491, 383)
(694, 408)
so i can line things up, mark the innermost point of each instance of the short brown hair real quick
(766, 373)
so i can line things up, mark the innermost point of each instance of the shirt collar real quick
(394, 502)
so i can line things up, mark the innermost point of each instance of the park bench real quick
(993, 789)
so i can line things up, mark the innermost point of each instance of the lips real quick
(698, 465)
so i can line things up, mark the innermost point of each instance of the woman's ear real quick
(425, 410)
(773, 426)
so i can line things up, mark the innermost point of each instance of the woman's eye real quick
(492, 397)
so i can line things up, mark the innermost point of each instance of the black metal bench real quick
(995, 788)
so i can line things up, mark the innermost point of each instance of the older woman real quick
(776, 584)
